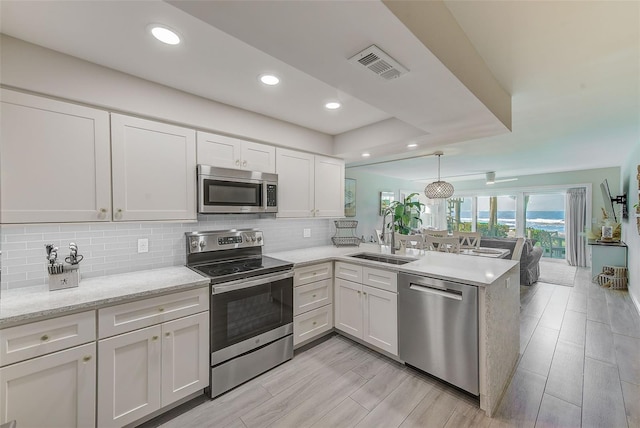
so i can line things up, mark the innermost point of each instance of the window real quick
(496, 216)
(459, 214)
(544, 215)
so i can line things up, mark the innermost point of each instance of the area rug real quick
(557, 272)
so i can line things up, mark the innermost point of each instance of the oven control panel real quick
(201, 242)
(230, 240)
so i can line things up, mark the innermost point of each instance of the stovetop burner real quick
(229, 255)
(230, 270)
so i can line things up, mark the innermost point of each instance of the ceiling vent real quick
(379, 63)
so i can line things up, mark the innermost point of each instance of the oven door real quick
(247, 314)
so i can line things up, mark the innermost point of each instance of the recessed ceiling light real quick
(366, 155)
(412, 146)
(269, 79)
(332, 105)
(164, 34)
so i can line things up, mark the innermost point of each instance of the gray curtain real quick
(575, 223)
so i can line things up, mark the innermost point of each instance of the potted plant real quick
(404, 213)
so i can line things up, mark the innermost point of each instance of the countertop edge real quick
(57, 310)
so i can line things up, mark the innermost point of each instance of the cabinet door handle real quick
(160, 309)
(154, 338)
(86, 358)
(313, 295)
(244, 163)
(167, 334)
(315, 322)
(237, 162)
(44, 338)
(358, 293)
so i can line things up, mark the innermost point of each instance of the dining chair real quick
(442, 244)
(468, 240)
(410, 241)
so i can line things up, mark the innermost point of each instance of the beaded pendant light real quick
(439, 189)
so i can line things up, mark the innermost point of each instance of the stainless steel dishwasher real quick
(438, 329)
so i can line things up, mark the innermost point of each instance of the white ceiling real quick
(572, 69)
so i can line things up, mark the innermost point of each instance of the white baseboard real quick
(636, 303)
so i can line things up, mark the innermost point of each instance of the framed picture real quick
(349, 197)
(386, 198)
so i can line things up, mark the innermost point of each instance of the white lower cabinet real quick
(185, 357)
(312, 324)
(55, 390)
(380, 319)
(312, 302)
(129, 376)
(367, 309)
(144, 370)
(349, 307)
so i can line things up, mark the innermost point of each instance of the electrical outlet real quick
(306, 233)
(143, 245)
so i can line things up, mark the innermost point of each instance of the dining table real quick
(496, 253)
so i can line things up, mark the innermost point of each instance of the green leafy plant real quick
(404, 214)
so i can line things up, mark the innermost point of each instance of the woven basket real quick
(346, 241)
(615, 271)
(614, 277)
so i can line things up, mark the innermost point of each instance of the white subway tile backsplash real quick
(110, 248)
(15, 246)
(12, 230)
(31, 237)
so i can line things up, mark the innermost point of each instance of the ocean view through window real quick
(497, 216)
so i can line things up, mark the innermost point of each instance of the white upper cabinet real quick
(228, 152)
(329, 187)
(55, 161)
(309, 185)
(295, 183)
(154, 170)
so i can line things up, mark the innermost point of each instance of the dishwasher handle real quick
(450, 294)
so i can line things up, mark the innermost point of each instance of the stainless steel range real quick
(251, 304)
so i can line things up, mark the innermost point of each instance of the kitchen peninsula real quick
(497, 281)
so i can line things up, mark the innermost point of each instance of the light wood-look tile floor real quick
(579, 366)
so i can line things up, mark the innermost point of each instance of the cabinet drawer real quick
(312, 324)
(349, 272)
(382, 279)
(309, 274)
(312, 296)
(43, 337)
(132, 316)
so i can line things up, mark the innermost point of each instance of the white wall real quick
(630, 232)
(27, 66)
(368, 188)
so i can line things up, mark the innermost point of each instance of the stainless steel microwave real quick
(225, 190)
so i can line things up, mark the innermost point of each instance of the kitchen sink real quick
(394, 260)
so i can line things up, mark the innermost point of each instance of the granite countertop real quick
(32, 303)
(473, 270)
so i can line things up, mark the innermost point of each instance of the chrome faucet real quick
(384, 231)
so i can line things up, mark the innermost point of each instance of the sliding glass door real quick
(544, 221)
